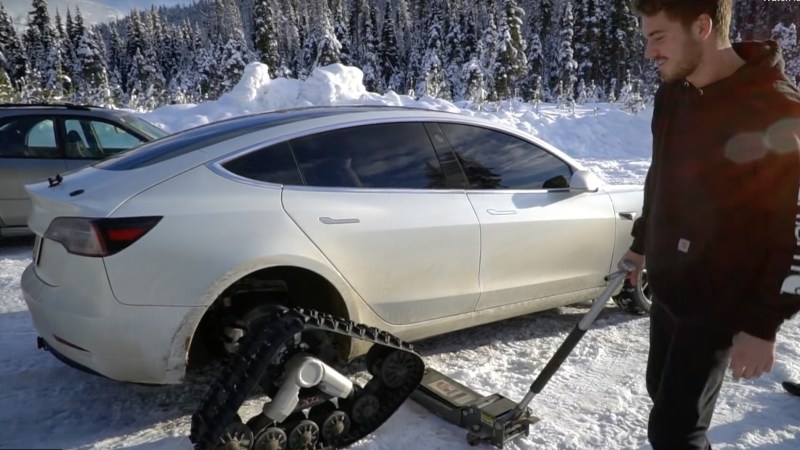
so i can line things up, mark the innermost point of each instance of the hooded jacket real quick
(720, 224)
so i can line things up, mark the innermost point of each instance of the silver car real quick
(40, 141)
(413, 221)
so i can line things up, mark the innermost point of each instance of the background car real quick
(39, 141)
(417, 222)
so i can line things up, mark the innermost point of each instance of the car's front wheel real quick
(636, 299)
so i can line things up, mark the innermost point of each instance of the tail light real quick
(98, 237)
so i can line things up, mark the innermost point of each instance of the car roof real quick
(50, 108)
(206, 135)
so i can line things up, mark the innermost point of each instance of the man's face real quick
(673, 48)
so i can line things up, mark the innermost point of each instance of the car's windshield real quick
(144, 127)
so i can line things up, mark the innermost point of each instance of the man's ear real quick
(703, 26)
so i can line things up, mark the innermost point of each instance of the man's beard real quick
(686, 65)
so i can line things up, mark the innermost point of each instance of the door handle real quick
(330, 221)
(501, 212)
(628, 215)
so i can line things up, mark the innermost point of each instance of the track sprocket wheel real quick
(237, 436)
(270, 438)
(303, 435)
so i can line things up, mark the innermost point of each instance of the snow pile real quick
(596, 131)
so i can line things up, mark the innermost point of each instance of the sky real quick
(597, 400)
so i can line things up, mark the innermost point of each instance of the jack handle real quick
(615, 280)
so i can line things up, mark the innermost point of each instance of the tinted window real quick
(395, 155)
(273, 164)
(198, 137)
(495, 160)
(28, 137)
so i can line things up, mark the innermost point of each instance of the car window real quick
(28, 137)
(111, 138)
(274, 164)
(495, 160)
(198, 137)
(144, 127)
(393, 155)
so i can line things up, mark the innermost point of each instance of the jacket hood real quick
(763, 65)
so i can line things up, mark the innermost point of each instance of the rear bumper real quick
(42, 344)
(141, 344)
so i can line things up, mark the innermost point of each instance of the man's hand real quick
(638, 262)
(751, 356)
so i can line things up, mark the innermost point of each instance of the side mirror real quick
(585, 180)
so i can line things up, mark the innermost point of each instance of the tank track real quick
(396, 371)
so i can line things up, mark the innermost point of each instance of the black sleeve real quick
(778, 174)
(657, 126)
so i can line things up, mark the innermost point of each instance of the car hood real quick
(92, 192)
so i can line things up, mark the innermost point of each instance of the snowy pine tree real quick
(15, 61)
(388, 53)
(487, 49)
(569, 66)
(370, 64)
(473, 81)
(90, 71)
(511, 51)
(589, 20)
(786, 37)
(432, 80)
(265, 38)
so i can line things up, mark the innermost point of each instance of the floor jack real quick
(495, 419)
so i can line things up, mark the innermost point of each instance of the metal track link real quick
(396, 371)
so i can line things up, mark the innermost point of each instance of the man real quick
(718, 220)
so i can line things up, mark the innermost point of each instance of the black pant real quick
(685, 368)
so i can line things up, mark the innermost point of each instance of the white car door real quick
(538, 238)
(377, 204)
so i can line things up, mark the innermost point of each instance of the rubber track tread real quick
(252, 364)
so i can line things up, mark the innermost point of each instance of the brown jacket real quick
(720, 224)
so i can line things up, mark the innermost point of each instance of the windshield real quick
(144, 127)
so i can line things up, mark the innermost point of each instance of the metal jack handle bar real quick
(614, 282)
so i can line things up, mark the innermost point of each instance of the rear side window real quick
(273, 164)
(28, 137)
(495, 160)
(392, 155)
(192, 139)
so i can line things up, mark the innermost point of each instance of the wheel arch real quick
(299, 285)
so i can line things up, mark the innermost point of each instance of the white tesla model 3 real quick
(417, 222)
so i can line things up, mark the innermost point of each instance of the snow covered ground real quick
(596, 401)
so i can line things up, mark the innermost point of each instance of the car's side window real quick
(111, 138)
(495, 160)
(75, 143)
(274, 164)
(392, 155)
(28, 137)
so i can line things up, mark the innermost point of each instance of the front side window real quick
(392, 155)
(495, 160)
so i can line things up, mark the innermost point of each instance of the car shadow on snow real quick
(544, 324)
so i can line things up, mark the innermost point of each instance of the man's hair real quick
(687, 11)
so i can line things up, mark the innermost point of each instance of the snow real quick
(596, 401)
